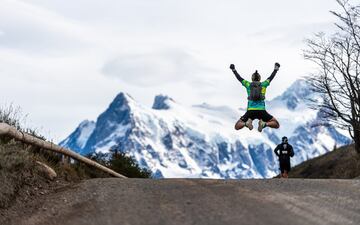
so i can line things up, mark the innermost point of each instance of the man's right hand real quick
(277, 66)
(232, 66)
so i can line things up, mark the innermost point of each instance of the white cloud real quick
(37, 30)
(292, 36)
(155, 68)
(64, 61)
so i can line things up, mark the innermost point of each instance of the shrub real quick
(121, 163)
(12, 116)
(127, 166)
(90, 171)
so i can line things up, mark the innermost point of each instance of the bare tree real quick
(337, 79)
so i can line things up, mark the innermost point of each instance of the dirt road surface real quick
(195, 201)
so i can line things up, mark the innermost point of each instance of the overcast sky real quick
(65, 61)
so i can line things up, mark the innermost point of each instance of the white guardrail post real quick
(10, 131)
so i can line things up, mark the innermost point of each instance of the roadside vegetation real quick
(23, 178)
(121, 163)
(342, 163)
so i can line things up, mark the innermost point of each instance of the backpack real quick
(255, 91)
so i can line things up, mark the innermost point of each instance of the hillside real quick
(342, 163)
(28, 172)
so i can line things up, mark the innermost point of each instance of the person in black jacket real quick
(284, 151)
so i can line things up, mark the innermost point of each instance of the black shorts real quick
(285, 165)
(256, 114)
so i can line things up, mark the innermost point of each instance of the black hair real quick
(284, 139)
(256, 76)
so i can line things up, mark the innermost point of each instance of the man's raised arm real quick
(276, 68)
(237, 75)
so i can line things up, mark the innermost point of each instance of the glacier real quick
(199, 141)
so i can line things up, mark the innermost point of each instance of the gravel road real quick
(196, 201)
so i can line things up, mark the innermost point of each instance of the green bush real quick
(90, 171)
(127, 166)
(121, 163)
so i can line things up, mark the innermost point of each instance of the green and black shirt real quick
(256, 105)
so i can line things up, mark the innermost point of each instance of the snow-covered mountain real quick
(173, 140)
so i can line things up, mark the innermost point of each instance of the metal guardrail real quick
(7, 130)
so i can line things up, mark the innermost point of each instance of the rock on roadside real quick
(46, 171)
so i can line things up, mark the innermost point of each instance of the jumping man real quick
(256, 101)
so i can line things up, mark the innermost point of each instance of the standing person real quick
(256, 91)
(284, 151)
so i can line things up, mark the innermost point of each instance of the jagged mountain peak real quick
(118, 114)
(119, 108)
(121, 100)
(119, 111)
(162, 102)
(77, 139)
(86, 123)
(300, 88)
(297, 93)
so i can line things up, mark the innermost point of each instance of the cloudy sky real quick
(64, 61)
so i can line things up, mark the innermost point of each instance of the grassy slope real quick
(21, 179)
(342, 163)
